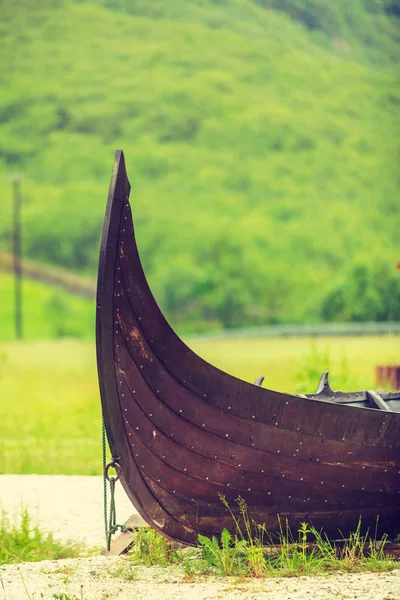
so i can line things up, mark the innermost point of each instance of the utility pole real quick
(17, 255)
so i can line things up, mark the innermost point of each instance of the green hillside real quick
(261, 140)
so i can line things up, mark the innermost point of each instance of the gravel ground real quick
(72, 508)
(93, 579)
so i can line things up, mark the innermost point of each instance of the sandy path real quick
(69, 506)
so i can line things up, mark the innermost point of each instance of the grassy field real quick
(48, 311)
(50, 418)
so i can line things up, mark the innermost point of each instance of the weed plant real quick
(252, 551)
(26, 542)
(150, 548)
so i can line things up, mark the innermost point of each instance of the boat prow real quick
(185, 433)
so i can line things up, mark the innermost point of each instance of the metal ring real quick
(113, 465)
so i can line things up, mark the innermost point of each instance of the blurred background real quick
(262, 143)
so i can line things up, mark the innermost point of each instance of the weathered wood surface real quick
(186, 432)
(388, 375)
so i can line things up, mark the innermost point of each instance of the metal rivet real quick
(249, 489)
(269, 493)
(226, 435)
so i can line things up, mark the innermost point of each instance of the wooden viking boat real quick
(183, 432)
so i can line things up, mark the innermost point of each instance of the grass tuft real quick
(25, 542)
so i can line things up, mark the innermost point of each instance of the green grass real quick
(50, 418)
(252, 552)
(286, 362)
(26, 542)
(48, 311)
(261, 139)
